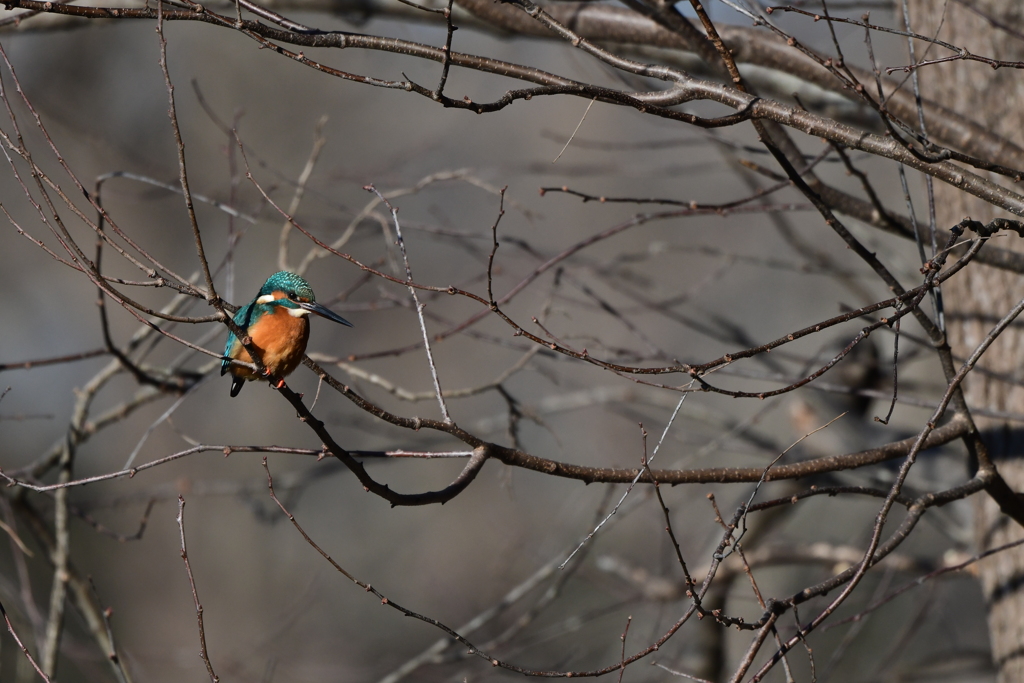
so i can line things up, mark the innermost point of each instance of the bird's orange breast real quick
(281, 339)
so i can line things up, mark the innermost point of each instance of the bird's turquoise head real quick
(290, 284)
(294, 293)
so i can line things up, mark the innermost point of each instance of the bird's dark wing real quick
(242, 318)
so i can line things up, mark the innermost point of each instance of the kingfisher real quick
(277, 321)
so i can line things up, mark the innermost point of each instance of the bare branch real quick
(195, 596)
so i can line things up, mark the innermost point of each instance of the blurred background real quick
(687, 288)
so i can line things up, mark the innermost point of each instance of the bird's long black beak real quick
(324, 312)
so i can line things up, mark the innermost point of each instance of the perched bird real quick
(277, 321)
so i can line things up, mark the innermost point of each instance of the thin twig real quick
(61, 558)
(419, 306)
(21, 645)
(622, 656)
(895, 373)
(182, 174)
(576, 130)
(112, 656)
(300, 190)
(195, 596)
(680, 673)
(750, 501)
(640, 472)
(446, 52)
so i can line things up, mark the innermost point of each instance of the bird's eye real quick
(292, 296)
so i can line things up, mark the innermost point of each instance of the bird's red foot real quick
(270, 378)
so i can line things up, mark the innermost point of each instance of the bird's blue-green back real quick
(243, 318)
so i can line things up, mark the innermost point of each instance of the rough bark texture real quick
(978, 297)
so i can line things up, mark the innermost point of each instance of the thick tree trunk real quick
(981, 295)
